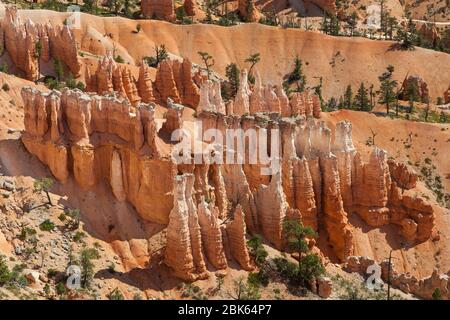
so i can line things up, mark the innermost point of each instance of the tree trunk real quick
(48, 198)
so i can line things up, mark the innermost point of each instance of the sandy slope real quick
(340, 61)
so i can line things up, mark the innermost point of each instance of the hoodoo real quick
(224, 149)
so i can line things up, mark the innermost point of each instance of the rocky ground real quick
(42, 256)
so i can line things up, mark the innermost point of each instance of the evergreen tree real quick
(161, 55)
(37, 55)
(318, 91)
(297, 76)
(372, 95)
(332, 104)
(352, 21)
(325, 27)
(387, 88)
(128, 6)
(348, 98)
(362, 102)
(427, 109)
(406, 35)
(309, 268)
(253, 60)
(256, 250)
(232, 73)
(392, 24)
(208, 60)
(341, 104)
(44, 184)
(412, 93)
(296, 235)
(335, 25)
(442, 117)
(309, 265)
(87, 266)
(89, 5)
(59, 70)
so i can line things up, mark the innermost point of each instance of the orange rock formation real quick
(20, 40)
(319, 183)
(158, 9)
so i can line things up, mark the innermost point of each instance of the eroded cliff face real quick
(327, 5)
(158, 9)
(248, 11)
(101, 134)
(414, 88)
(21, 38)
(258, 99)
(424, 287)
(174, 80)
(209, 207)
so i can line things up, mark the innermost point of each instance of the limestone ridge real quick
(20, 39)
(208, 208)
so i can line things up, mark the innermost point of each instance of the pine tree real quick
(59, 70)
(412, 93)
(296, 235)
(87, 266)
(297, 76)
(362, 99)
(208, 60)
(387, 88)
(372, 95)
(335, 25)
(325, 27)
(352, 21)
(253, 60)
(392, 25)
(318, 90)
(232, 73)
(427, 109)
(348, 97)
(341, 103)
(37, 55)
(331, 104)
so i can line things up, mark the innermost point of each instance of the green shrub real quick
(61, 288)
(437, 295)
(288, 270)
(119, 59)
(115, 295)
(51, 273)
(310, 267)
(260, 278)
(256, 249)
(47, 225)
(5, 273)
(25, 232)
(79, 235)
